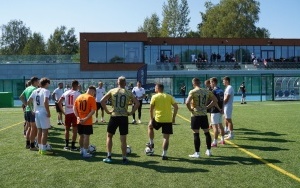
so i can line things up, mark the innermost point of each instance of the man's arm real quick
(188, 103)
(103, 103)
(226, 98)
(22, 98)
(60, 104)
(175, 106)
(53, 96)
(151, 111)
(46, 104)
(135, 106)
(214, 102)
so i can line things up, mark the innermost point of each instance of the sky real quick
(280, 17)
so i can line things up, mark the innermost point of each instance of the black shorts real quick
(30, 117)
(99, 106)
(85, 129)
(166, 128)
(198, 122)
(118, 121)
(57, 107)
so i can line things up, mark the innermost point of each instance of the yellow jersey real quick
(200, 98)
(120, 99)
(163, 107)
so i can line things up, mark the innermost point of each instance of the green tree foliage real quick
(14, 37)
(151, 26)
(62, 41)
(232, 19)
(35, 45)
(175, 21)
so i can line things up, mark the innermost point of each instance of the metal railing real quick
(29, 59)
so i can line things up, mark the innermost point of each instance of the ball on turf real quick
(149, 151)
(92, 148)
(128, 149)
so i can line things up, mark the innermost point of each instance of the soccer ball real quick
(48, 147)
(149, 151)
(92, 148)
(128, 149)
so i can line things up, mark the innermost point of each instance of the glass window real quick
(297, 52)
(133, 52)
(277, 53)
(267, 47)
(284, 52)
(193, 53)
(257, 52)
(221, 53)
(177, 54)
(155, 56)
(291, 50)
(97, 52)
(207, 53)
(185, 54)
(115, 52)
(147, 55)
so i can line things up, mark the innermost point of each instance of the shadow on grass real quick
(263, 148)
(265, 139)
(257, 132)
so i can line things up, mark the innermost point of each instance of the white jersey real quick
(39, 97)
(58, 93)
(70, 96)
(100, 93)
(138, 92)
(229, 91)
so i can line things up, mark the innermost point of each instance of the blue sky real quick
(280, 17)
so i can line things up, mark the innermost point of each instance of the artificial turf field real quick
(264, 153)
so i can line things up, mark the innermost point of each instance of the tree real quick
(175, 21)
(62, 41)
(231, 19)
(151, 26)
(14, 37)
(35, 45)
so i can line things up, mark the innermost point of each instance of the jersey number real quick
(82, 105)
(120, 101)
(202, 100)
(70, 99)
(37, 99)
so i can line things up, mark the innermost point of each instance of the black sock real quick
(208, 140)
(27, 142)
(67, 142)
(73, 144)
(32, 145)
(197, 142)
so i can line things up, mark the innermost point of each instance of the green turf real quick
(269, 130)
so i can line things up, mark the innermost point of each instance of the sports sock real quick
(108, 155)
(67, 142)
(197, 142)
(164, 153)
(222, 138)
(73, 144)
(215, 141)
(43, 148)
(40, 146)
(27, 142)
(32, 144)
(208, 140)
(151, 141)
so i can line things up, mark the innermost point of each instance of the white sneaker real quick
(87, 155)
(208, 153)
(133, 122)
(229, 137)
(195, 155)
(139, 121)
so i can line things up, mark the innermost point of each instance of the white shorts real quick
(216, 118)
(227, 112)
(41, 120)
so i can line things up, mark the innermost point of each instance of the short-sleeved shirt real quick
(200, 98)
(39, 96)
(218, 92)
(100, 93)
(70, 96)
(27, 92)
(163, 107)
(243, 88)
(138, 92)
(120, 98)
(58, 93)
(84, 104)
(229, 91)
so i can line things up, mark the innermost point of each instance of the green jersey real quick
(27, 92)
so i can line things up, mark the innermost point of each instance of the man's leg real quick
(74, 137)
(123, 145)
(216, 133)
(86, 143)
(140, 111)
(151, 135)
(96, 115)
(230, 127)
(67, 137)
(165, 145)
(33, 134)
(109, 144)
(102, 115)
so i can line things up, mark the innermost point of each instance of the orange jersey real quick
(84, 104)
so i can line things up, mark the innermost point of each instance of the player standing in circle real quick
(243, 90)
(140, 94)
(228, 106)
(100, 91)
(57, 93)
(120, 98)
(161, 107)
(70, 119)
(30, 117)
(196, 103)
(84, 108)
(40, 99)
(216, 112)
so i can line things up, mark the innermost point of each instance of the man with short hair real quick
(120, 98)
(216, 112)
(196, 103)
(242, 89)
(100, 91)
(57, 93)
(84, 108)
(30, 117)
(70, 119)
(228, 106)
(40, 99)
(161, 117)
(140, 94)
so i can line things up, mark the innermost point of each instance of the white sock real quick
(222, 138)
(40, 146)
(108, 154)
(84, 151)
(43, 147)
(151, 141)
(164, 153)
(215, 141)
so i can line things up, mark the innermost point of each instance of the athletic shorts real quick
(166, 128)
(118, 121)
(85, 129)
(198, 122)
(30, 117)
(70, 120)
(243, 95)
(227, 112)
(215, 118)
(57, 107)
(99, 106)
(41, 120)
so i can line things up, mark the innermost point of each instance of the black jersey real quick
(219, 93)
